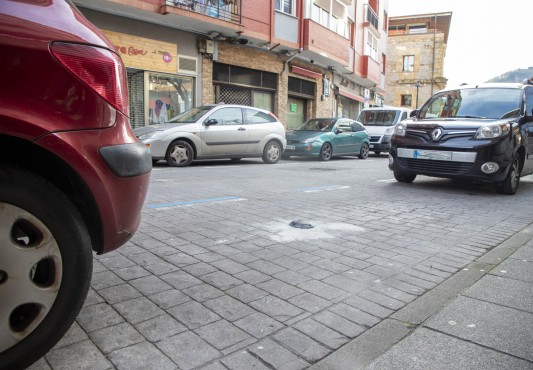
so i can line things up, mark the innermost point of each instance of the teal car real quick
(325, 138)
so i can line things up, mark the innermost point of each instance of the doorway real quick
(296, 112)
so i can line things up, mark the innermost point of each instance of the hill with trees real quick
(518, 75)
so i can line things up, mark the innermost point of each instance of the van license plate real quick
(433, 155)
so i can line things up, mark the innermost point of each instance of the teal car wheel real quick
(326, 152)
(363, 153)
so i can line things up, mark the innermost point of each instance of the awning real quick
(350, 95)
(306, 72)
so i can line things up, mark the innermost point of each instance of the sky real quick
(487, 37)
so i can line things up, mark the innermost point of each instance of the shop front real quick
(157, 89)
(348, 100)
(245, 86)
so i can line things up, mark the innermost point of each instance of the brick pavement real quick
(216, 278)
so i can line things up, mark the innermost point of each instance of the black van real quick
(480, 133)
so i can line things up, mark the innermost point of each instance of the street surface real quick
(217, 278)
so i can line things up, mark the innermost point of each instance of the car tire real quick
(272, 152)
(179, 154)
(363, 153)
(45, 266)
(510, 185)
(326, 152)
(404, 178)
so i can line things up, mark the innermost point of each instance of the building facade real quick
(297, 58)
(416, 51)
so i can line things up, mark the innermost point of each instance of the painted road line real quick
(192, 202)
(323, 188)
(388, 180)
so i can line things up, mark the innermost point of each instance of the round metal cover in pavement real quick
(299, 224)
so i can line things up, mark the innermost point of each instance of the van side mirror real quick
(413, 113)
(211, 122)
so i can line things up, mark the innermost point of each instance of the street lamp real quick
(418, 85)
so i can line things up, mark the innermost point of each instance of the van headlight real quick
(400, 129)
(492, 131)
(389, 131)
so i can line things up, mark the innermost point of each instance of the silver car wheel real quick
(30, 273)
(179, 154)
(272, 152)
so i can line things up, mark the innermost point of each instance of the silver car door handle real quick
(242, 129)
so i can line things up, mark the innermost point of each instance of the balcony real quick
(326, 44)
(226, 10)
(371, 17)
(371, 70)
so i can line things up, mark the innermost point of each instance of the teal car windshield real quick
(318, 125)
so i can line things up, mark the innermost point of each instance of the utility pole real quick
(418, 85)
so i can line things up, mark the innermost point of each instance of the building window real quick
(371, 46)
(384, 66)
(408, 63)
(342, 28)
(385, 21)
(418, 28)
(320, 15)
(285, 6)
(397, 29)
(407, 100)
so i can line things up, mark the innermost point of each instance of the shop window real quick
(301, 87)
(407, 100)
(225, 73)
(262, 100)
(168, 96)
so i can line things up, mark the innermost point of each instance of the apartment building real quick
(416, 51)
(297, 58)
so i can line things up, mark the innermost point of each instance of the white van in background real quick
(379, 123)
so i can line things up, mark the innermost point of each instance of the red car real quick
(73, 176)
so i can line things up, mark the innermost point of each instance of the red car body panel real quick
(43, 104)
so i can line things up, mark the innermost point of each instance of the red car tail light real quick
(100, 69)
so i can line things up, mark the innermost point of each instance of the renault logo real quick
(436, 134)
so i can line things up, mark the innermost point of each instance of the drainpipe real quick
(433, 62)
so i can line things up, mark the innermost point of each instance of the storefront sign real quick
(294, 107)
(146, 54)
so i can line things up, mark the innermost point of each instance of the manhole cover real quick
(299, 224)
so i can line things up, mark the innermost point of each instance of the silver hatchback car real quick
(216, 131)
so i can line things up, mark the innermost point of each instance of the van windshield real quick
(480, 103)
(379, 117)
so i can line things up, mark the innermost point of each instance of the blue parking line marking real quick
(190, 202)
(323, 188)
